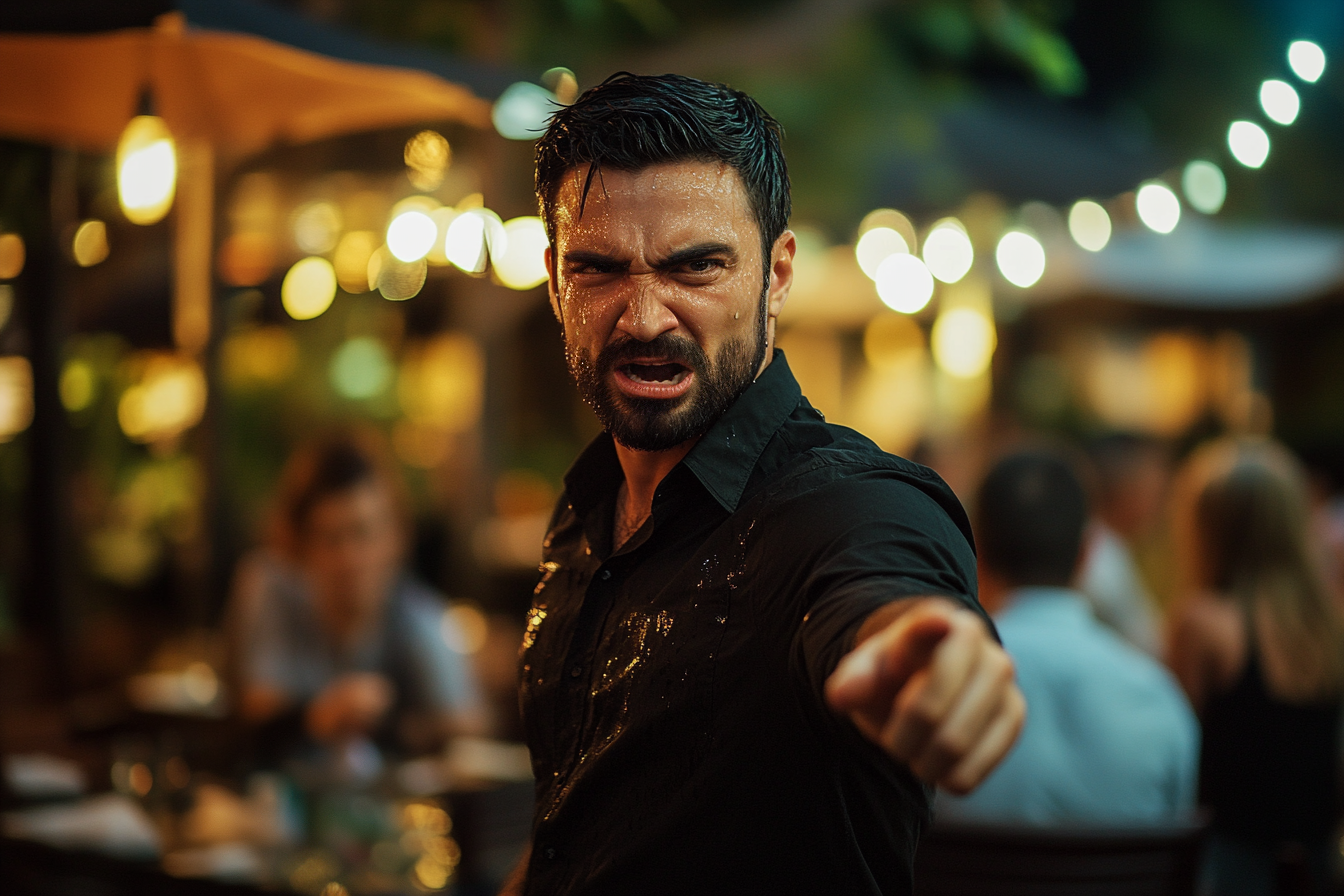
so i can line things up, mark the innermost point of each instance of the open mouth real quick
(656, 374)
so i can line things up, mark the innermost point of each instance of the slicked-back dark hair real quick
(629, 122)
(1030, 513)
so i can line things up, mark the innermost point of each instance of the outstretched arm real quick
(928, 683)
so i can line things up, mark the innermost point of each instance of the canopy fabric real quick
(238, 92)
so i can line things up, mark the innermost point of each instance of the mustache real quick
(678, 349)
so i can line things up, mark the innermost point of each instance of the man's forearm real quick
(513, 884)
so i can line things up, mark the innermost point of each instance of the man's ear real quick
(781, 272)
(553, 285)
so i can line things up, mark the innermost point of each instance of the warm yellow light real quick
(1089, 225)
(1158, 207)
(1307, 60)
(427, 156)
(247, 258)
(308, 288)
(396, 280)
(1249, 143)
(78, 385)
(464, 629)
(168, 399)
(146, 169)
(1204, 186)
(6, 303)
(890, 340)
(1021, 258)
(963, 341)
(258, 357)
(441, 382)
(12, 255)
(16, 396)
(89, 246)
(904, 284)
(875, 246)
(317, 226)
(464, 243)
(947, 251)
(410, 236)
(352, 260)
(1280, 101)
(443, 218)
(523, 262)
(892, 220)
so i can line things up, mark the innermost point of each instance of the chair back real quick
(976, 860)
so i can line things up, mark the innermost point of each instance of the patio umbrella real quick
(223, 96)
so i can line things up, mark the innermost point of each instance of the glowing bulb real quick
(1280, 101)
(963, 341)
(1089, 225)
(146, 169)
(523, 263)
(904, 284)
(411, 235)
(89, 246)
(1158, 207)
(948, 252)
(1021, 258)
(1307, 60)
(309, 288)
(1249, 143)
(1204, 186)
(875, 246)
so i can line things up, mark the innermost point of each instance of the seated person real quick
(1109, 738)
(333, 639)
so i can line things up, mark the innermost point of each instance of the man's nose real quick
(647, 314)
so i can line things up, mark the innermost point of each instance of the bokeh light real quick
(1249, 143)
(247, 258)
(360, 368)
(317, 227)
(904, 284)
(522, 111)
(465, 629)
(1307, 60)
(948, 253)
(1158, 207)
(875, 246)
(89, 247)
(1089, 225)
(963, 341)
(474, 236)
(351, 260)
(411, 235)
(443, 218)
(441, 382)
(1280, 101)
(16, 396)
(427, 156)
(523, 262)
(1204, 186)
(146, 169)
(78, 385)
(6, 303)
(12, 255)
(892, 220)
(394, 279)
(167, 399)
(308, 288)
(1020, 257)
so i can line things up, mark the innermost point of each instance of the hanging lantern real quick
(146, 168)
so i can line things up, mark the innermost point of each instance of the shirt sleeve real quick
(877, 538)
(262, 627)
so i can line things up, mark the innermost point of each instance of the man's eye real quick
(703, 265)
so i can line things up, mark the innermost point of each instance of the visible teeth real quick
(656, 373)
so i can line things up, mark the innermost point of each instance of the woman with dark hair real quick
(1259, 647)
(335, 643)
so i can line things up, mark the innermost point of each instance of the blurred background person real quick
(335, 642)
(1258, 646)
(1109, 737)
(1131, 476)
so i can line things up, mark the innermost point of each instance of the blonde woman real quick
(1257, 644)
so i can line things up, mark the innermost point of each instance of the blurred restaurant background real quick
(229, 225)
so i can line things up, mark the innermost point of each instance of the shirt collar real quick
(722, 460)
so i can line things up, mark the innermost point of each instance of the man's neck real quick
(643, 471)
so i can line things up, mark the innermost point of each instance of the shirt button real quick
(605, 574)
(550, 853)
(575, 671)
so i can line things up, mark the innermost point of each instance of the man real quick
(1111, 739)
(755, 641)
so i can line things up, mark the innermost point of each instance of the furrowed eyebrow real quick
(696, 253)
(580, 257)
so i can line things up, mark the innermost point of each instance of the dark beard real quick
(657, 424)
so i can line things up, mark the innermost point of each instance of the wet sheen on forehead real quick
(655, 209)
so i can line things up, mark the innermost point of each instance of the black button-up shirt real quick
(673, 690)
